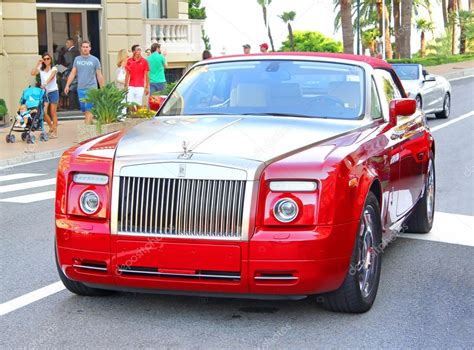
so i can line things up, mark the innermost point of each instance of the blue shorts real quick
(53, 97)
(157, 87)
(81, 93)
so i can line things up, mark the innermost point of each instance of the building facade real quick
(29, 28)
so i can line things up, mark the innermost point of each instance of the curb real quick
(27, 158)
(459, 74)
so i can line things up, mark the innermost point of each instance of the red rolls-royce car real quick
(262, 176)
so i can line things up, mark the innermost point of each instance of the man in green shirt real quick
(157, 63)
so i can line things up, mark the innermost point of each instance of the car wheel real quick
(78, 287)
(446, 108)
(421, 219)
(358, 291)
(419, 102)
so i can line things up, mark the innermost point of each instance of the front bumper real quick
(271, 263)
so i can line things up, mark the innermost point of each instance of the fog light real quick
(89, 202)
(285, 210)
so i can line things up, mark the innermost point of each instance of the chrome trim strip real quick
(274, 278)
(157, 273)
(90, 267)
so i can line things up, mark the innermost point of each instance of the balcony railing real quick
(175, 35)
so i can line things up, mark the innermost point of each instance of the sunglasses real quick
(47, 58)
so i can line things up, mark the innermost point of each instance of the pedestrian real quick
(247, 48)
(89, 74)
(71, 53)
(120, 73)
(206, 54)
(264, 48)
(47, 73)
(137, 77)
(157, 63)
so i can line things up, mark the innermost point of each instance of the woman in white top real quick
(47, 73)
(122, 57)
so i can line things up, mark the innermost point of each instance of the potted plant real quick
(3, 111)
(108, 104)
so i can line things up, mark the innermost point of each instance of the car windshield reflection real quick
(270, 87)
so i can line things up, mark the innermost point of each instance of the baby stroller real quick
(33, 98)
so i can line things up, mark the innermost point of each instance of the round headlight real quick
(285, 210)
(89, 202)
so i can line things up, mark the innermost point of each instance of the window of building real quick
(173, 74)
(154, 9)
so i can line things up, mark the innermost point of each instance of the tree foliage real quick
(307, 41)
(195, 11)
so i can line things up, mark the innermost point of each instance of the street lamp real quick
(358, 27)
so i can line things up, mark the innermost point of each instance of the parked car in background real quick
(265, 176)
(432, 92)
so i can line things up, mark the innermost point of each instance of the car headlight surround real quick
(90, 179)
(285, 210)
(89, 202)
(293, 186)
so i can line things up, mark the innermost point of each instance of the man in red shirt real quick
(137, 76)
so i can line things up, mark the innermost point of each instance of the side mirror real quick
(401, 107)
(429, 78)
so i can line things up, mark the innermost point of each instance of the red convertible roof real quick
(374, 62)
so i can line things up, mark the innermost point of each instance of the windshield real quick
(407, 71)
(270, 87)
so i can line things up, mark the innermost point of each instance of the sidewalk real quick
(20, 152)
(453, 70)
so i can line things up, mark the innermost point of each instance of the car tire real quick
(422, 217)
(444, 114)
(359, 289)
(78, 287)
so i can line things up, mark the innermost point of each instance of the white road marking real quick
(27, 185)
(30, 198)
(452, 121)
(17, 176)
(448, 228)
(30, 298)
(460, 78)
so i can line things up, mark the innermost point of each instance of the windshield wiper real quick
(278, 114)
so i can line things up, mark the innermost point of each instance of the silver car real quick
(432, 92)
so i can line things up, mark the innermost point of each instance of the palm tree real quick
(423, 25)
(344, 19)
(406, 14)
(369, 40)
(466, 26)
(264, 4)
(289, 17)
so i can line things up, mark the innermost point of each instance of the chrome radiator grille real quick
(181, 207)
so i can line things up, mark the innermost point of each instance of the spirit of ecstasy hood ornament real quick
(187, 154)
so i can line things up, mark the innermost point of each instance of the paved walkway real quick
(20, 152)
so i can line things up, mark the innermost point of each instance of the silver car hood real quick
(256, 138)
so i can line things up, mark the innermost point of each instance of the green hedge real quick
(434, 60)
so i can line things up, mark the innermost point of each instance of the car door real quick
(408, 154)
(429, 92)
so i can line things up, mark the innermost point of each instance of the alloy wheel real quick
(368, 259)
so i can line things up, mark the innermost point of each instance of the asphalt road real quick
(425, 299)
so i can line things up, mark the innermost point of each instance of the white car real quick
(432, 92)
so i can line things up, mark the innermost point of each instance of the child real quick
(22, 116)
